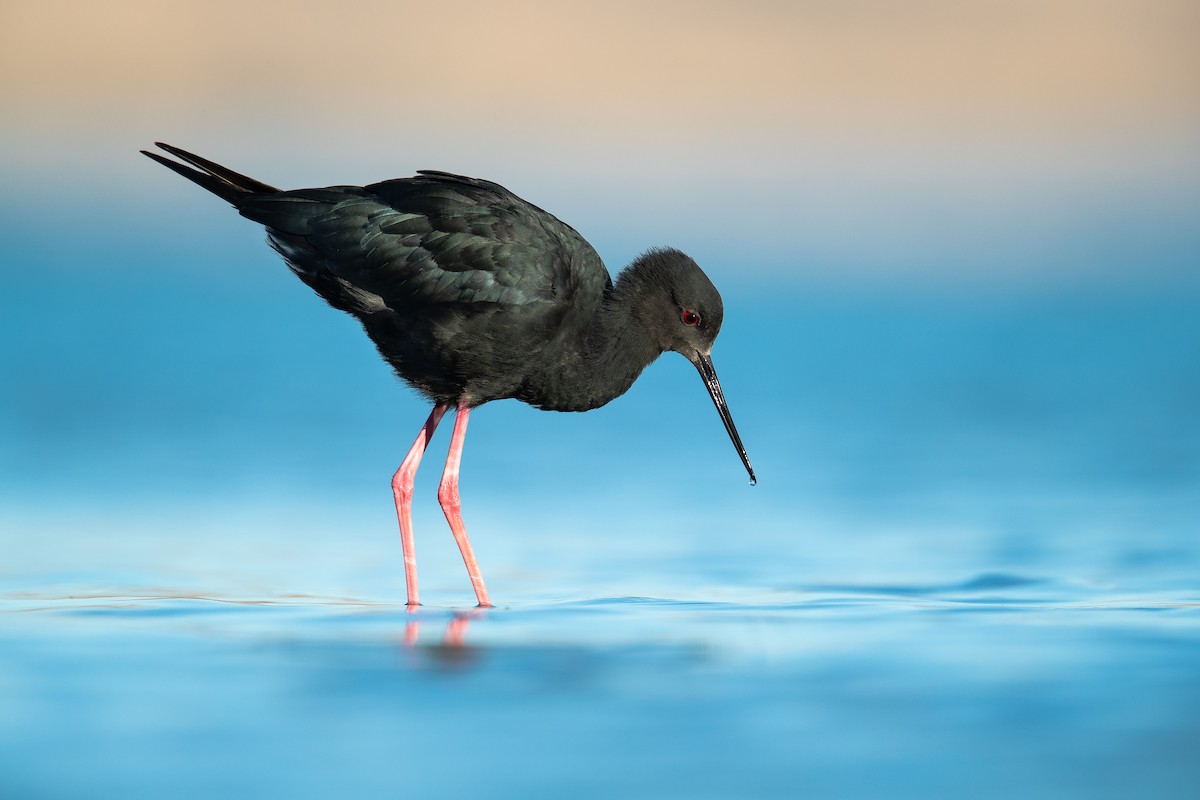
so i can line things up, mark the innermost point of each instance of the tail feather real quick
(221, 181)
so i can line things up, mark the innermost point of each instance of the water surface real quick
(968, 570)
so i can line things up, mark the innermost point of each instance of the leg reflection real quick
(453, 648)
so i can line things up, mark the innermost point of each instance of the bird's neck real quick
(623, 346)
(605, 361)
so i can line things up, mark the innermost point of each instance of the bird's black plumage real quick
(469, 291)
(473, 294)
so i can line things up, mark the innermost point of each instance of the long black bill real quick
(704, 364)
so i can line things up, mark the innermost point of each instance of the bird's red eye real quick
(689, 317)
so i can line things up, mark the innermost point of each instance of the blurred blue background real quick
(959, 253)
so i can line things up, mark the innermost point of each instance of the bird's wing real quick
(433, 239)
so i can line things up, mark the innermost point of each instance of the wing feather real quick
(432, 239)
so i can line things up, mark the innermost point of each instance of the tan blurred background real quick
(878, 140)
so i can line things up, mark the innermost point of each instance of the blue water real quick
(969, 569)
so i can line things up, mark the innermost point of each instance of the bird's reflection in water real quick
(453, 649)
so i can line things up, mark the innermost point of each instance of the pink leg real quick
(402, 490)
(448, 497)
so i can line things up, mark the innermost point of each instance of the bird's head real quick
(677, 303)
(682, 311)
